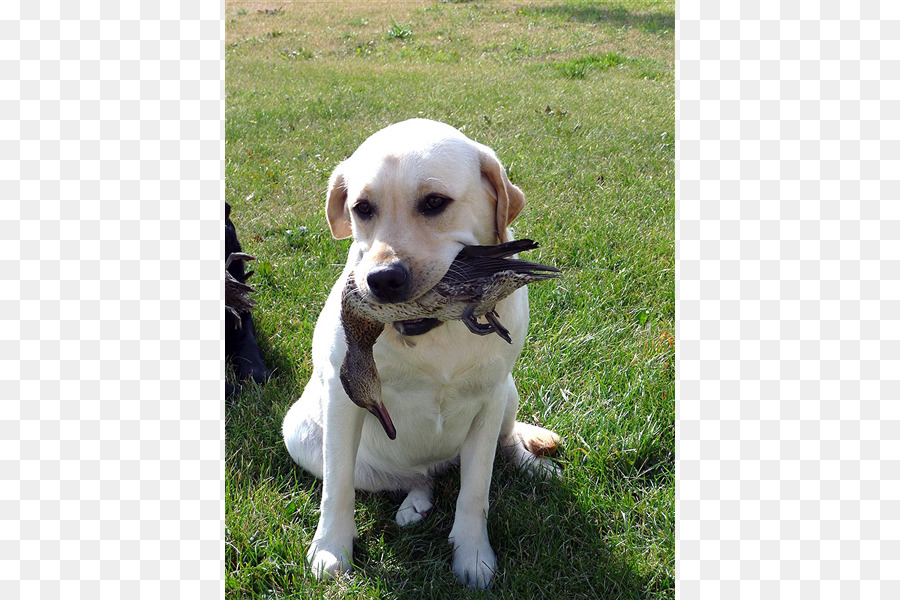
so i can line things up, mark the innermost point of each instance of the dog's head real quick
(412, 195)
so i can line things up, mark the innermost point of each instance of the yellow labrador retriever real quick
(412, 195)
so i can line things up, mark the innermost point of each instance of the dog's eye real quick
(363, 209)
(434, 204)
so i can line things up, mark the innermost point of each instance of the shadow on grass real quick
(558, 539)
(553, 539)
(617, 16)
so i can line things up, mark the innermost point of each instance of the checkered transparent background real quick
(787, 300)
(111, 426)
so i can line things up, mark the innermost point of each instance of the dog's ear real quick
(336, 205)
(509, 199)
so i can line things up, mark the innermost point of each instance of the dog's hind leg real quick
(416, 506)
(303, 435)
(527, 445)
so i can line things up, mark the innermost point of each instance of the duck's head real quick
(358, 374)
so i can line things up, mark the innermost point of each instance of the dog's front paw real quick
(474, 563)
(327, 559)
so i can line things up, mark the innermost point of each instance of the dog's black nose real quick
(390, 282)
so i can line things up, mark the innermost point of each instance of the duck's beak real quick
(382, 415)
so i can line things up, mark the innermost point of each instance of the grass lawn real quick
(577, 99)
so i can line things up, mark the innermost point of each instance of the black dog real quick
(240, 334)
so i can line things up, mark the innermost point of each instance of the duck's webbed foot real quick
(494, 319)
(472, 323)
(493, 324)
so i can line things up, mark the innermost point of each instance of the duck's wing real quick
(475, 263)
(499, 251)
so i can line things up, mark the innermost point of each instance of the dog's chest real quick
(448, 358)
(437, 384)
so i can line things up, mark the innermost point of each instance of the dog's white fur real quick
(450, 393)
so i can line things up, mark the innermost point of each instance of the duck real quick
(478, 278)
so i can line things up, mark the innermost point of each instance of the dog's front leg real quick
(331, 551)
(474, 561)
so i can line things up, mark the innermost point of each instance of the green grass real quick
(577, 99)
